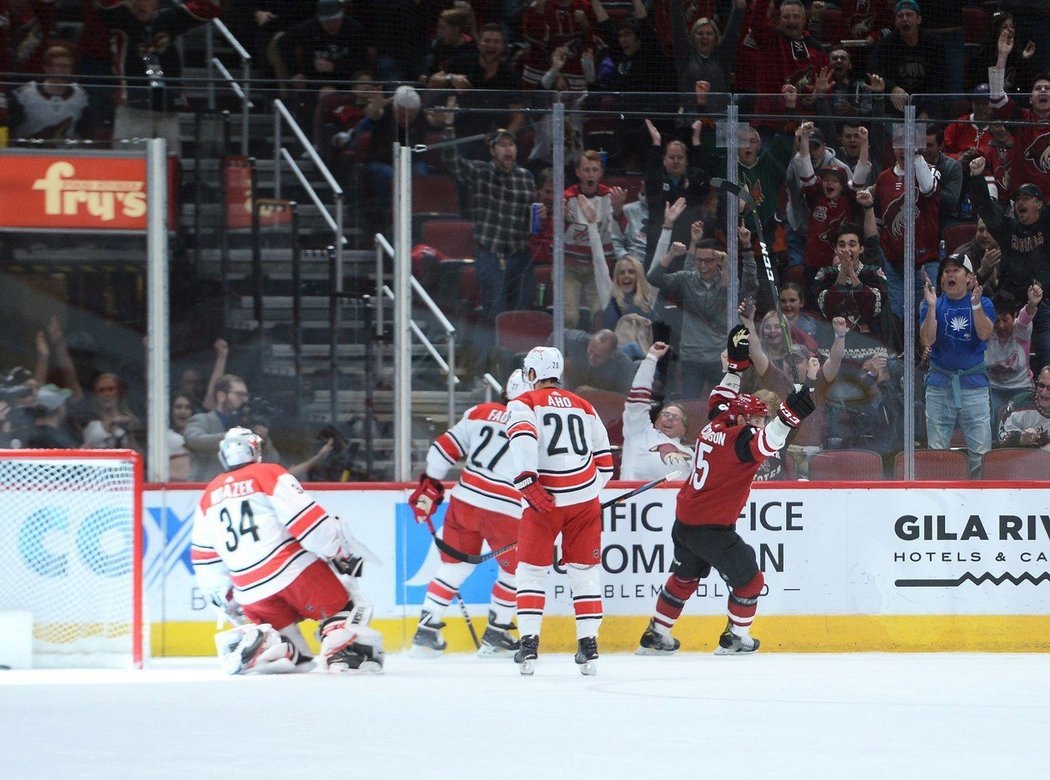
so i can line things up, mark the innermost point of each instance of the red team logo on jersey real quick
(1038, 153)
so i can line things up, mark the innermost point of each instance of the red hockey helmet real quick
(745, 405)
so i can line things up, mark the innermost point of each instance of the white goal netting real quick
(71, 553)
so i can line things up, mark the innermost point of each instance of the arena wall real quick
(848, 568)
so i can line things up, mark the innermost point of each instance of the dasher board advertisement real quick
(82, 191)
(850, 551)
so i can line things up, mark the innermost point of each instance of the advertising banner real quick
(239, 198)
(879, 551)
(87, 191)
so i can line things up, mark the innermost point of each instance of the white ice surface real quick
(890, 717)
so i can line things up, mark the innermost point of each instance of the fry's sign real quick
(75, 192)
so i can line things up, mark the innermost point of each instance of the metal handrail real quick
(281, 113)
(491, 384)
(243, 92)
(427, 344)
(310, 191)
(382, 245)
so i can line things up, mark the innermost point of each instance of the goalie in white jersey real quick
(263, 552)
(484, 506)
(562, 451)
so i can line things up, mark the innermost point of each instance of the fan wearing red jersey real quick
(261, 543)
(484, 507)
(562, 453)
(729, 450)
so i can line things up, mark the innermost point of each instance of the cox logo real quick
(48, 541)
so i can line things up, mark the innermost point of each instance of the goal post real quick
(71, 552)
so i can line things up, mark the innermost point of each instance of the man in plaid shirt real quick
(502, 193)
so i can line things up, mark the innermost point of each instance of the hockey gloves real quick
(737, 350)
(426, 498)
(350, 565)
(528, 482)
(228, 608)
(796, 408)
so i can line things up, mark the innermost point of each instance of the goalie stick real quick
(452, 552)
(741, 192)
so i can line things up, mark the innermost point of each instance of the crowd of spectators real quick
(821, 87)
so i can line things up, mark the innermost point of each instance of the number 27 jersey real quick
(480, 440)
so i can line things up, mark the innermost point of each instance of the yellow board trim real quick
(779, 634)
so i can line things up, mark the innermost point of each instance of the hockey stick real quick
(470, 624)
(452, 552)
(741, 192)
(647, 486)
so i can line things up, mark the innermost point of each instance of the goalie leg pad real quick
(349, 646)
(258, 649)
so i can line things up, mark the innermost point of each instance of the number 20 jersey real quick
(559, 436)
(480, 440)
(257, 524)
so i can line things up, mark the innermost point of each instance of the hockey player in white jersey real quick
(562, 452)
(483, 506)
(263, 551)
(653, 450)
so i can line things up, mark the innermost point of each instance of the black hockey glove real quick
(737, 349)
(796, 408)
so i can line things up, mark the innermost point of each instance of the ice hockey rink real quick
(694, 715)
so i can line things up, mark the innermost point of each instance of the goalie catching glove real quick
(426, 498)
(796, 407)
(528, 483)
(738, 350)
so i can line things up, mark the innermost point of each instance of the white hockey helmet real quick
(238, 447)
(547, 362)
(516, 384)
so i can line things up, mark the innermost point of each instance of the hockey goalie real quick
(268, 556)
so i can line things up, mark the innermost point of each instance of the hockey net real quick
(71, 553)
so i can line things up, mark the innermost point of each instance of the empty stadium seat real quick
(935, 464)
(1016, 463)
(846, 466)
(454, 237)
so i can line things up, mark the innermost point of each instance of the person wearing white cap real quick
(50, 430)
(956, 326)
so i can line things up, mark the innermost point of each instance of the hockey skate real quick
(428, 641)
(655, 643)
(497, 641)
(731, 644)
(528, 652)
(357, 657)
(587, 655)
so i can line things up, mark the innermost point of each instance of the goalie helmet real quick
(546, 362)
(746, 405)
(516, 385)
(238, 447)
